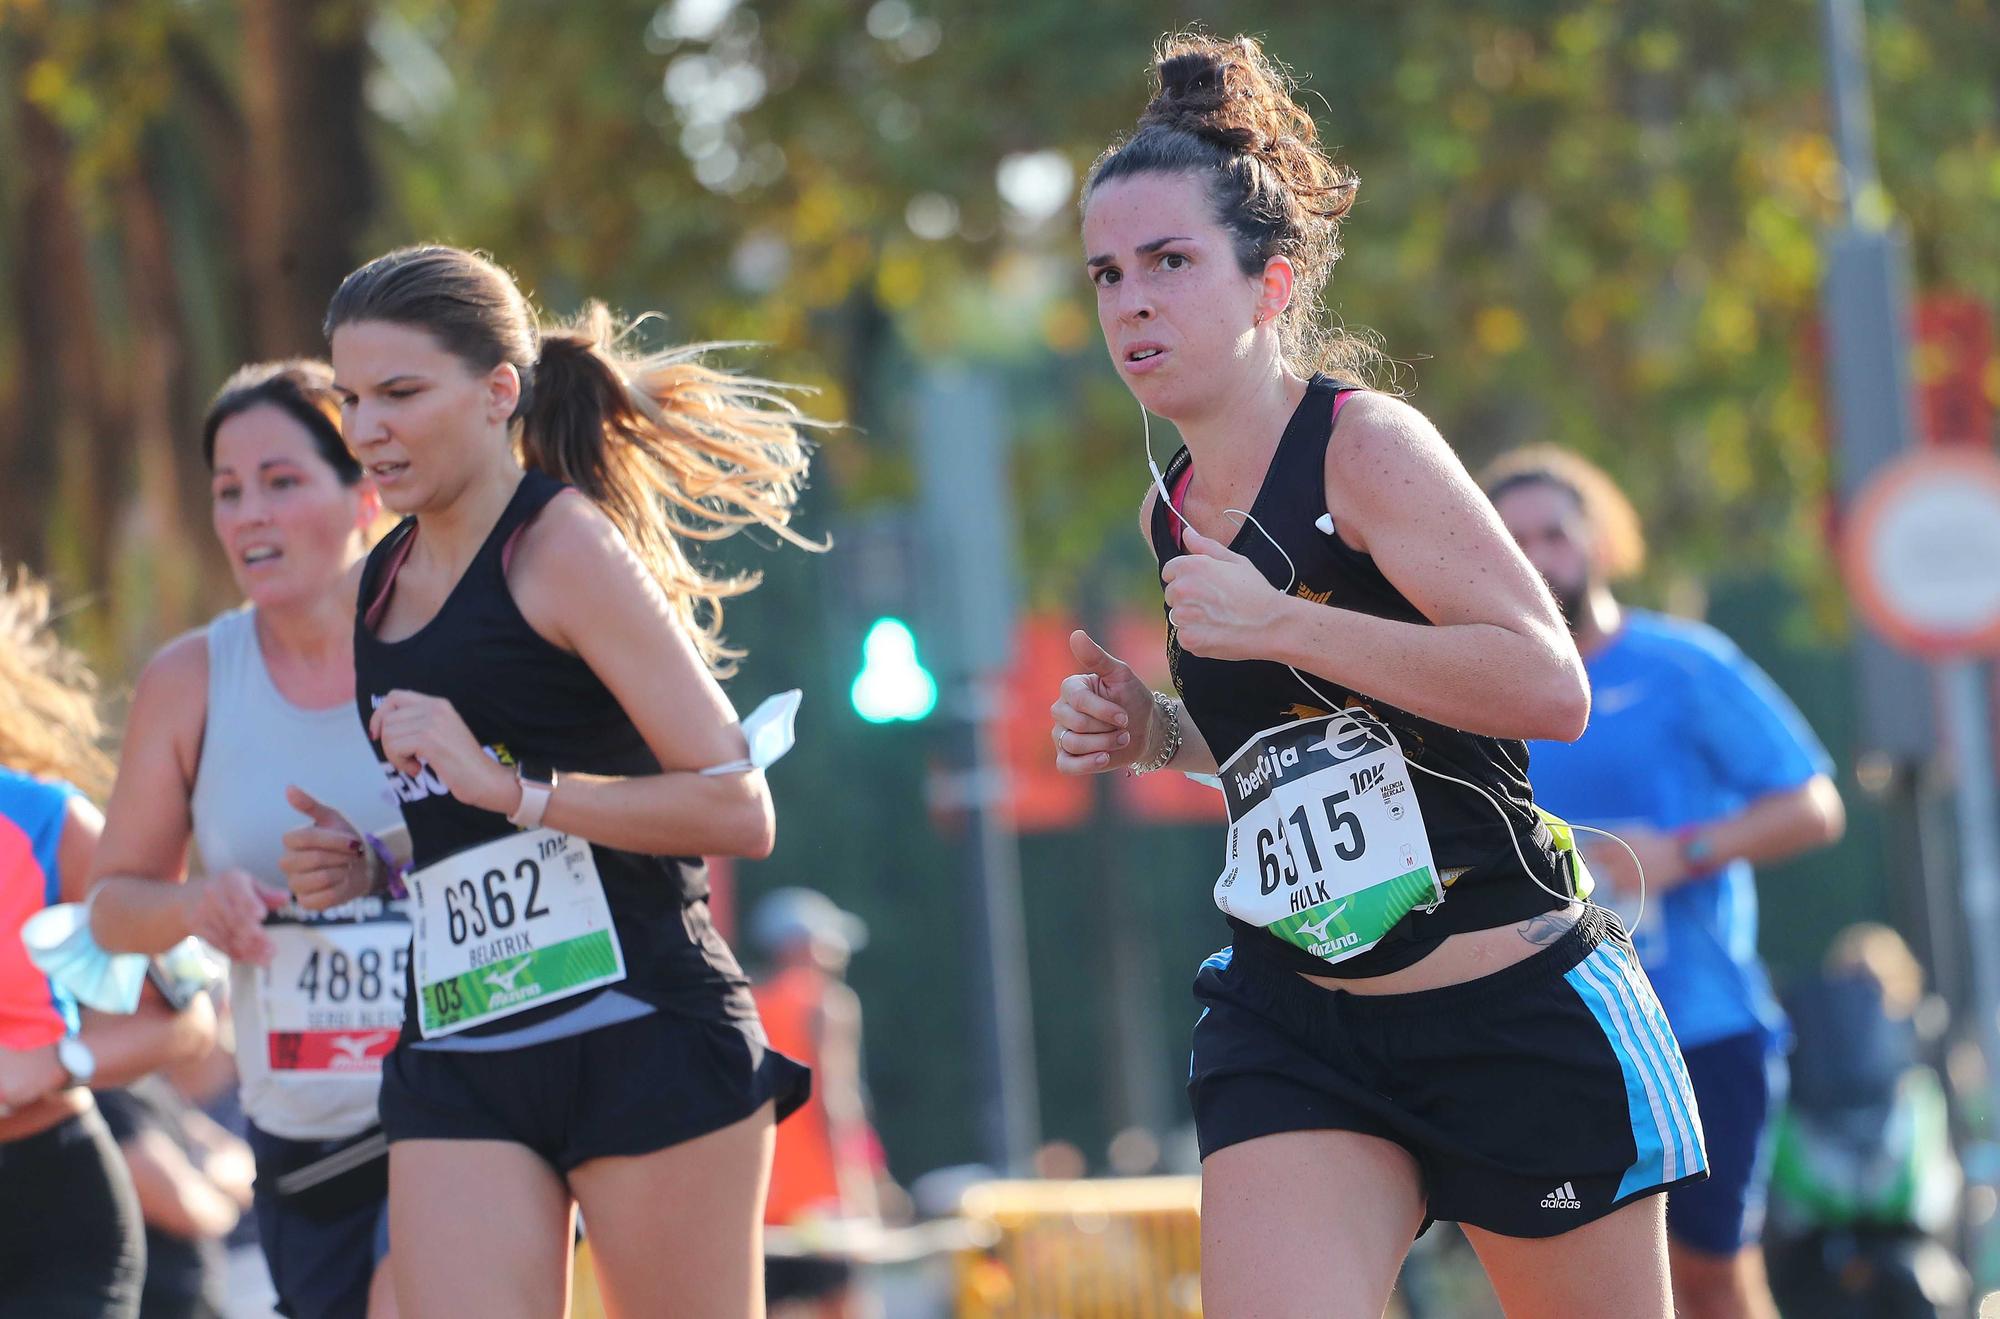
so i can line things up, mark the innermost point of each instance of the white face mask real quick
(58, 941)
(768, 732)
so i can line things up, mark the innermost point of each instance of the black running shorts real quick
(630, 1088)
(71, 1242)
(1533, 1100)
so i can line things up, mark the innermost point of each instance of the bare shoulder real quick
(1387, 458)
(1381, 442)
(170, 705)
(176, 678)
(1147, 502)
(572, 565)
(570, 532)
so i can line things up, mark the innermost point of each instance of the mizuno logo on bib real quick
(1327, 848)
(507, 926)
(333, 993)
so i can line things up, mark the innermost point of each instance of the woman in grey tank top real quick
(222, 719)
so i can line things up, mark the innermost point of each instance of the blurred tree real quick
(1588, 222)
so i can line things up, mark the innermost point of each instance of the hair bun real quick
(1202, 91)
(1234, 95)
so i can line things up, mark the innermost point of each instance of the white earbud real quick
(1324, 524)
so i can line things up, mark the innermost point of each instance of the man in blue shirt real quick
(1703, 767)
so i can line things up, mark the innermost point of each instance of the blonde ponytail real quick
(49, 721)
(671, 449)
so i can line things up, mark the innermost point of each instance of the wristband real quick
(1696, 851)
(385, 871)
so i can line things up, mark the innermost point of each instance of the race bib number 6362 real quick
(507, 926)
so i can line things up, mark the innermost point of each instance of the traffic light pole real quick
(1130, 1020)
(967, 515)
(1007, 1096)
(1869, 377)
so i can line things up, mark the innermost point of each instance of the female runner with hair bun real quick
(1418, 1017)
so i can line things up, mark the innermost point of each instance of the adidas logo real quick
(1563, 1197)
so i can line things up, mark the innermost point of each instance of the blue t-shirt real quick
(1685, 730)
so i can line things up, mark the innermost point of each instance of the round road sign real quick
(1921, 551)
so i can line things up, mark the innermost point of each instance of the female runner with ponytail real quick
(535, 659)
(1417, 1019)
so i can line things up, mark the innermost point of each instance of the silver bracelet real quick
(1169, 711)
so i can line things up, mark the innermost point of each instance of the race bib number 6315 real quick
(1327, 847)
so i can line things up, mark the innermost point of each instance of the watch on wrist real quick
(537, 786)
(76, 1060)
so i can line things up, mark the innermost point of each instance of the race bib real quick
(1327, 848)
(507, 926)
(332, 996)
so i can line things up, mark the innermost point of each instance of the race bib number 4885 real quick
(1327, 848)
(332, 995)
(507, 926)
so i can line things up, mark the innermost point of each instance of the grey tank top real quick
(254, 743)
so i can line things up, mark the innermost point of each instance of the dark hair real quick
(1614, 523)
(666, 445)
(1223, 111)
(300, 388)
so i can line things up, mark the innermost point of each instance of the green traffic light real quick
(893, 684)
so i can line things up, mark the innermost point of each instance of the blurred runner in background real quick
(1702, 766)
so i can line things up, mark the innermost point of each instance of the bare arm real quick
(1499, 659)
(1105, 718)
(1496, 660)
(837, 1069)
(142, 900)
(579, 586)
(1195, 756)
(223, 1156)
(128, 1047)
(142, 859)
(1780, 825)
(582, 586)
(175, 1197)
(1775, 827)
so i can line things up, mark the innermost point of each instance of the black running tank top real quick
(527, 701)
(1231, 701)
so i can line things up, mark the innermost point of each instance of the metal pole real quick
(1130, 1020)
(1971, 723)
(967, 509)
(1853, 110)
(1865, 301)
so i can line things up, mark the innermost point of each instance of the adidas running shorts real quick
(1533, 1100)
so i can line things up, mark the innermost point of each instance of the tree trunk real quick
(158, 559)
(59, 472)
(309, 192)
